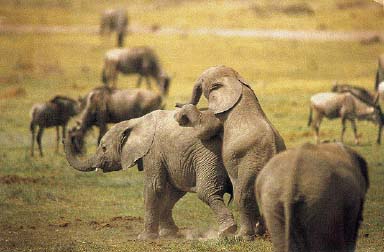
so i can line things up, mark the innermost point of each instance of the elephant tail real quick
(230, 191)
(377, 80)
(310, 117)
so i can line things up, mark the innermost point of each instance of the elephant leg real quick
(227, 224)
(352, 218)
(57, 139)
(244, 193)
(155, 184)
(168, 227)
(273, 215)
(210, 185)
(39, 135)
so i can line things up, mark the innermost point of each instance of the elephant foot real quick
(243, 235)
(147, 236)
(169, 233)
(227, 229)
(260, 229)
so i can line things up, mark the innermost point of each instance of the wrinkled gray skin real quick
(114, 20)
(379, 72)
(54, 113)
(249, 138)
(312, 198)
(359, 92)
(347, 107)
(106, 105)
(174, 160)
(137, 60)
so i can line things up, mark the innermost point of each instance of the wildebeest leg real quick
(316, 125)
(343, 127)
(102, 130)
(33, 139)
(57, 138)
(353, 123)
(148, 81)
(64, 131)
(138, 83)
(39, 135)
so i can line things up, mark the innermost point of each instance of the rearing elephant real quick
(174, 161)
(249, 138)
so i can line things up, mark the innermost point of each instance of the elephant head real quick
(205, 123)
(122, 146)
(221, 85)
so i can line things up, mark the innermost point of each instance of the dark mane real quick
(359, 92)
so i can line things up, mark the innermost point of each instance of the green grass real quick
(48, 206)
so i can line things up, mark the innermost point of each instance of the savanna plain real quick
(45, 205)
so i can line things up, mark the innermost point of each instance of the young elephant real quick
(249, 138)
(174, 161)
(54, 113)
(312, 198)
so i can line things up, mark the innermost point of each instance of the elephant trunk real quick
(80, 165)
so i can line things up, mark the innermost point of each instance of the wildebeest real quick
(345, 106)
(109, 105)
(114, 20)
(136, 60)
(312, 198)
(56, 112)
(379, 72)
(359, 92)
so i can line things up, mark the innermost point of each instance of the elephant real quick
(174, 161)
(114, 20)
(312, 198)
(249, 139)
(56, 112)
(140, 60)
(110, 105)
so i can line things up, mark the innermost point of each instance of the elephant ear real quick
(224, 94)
(136, 140)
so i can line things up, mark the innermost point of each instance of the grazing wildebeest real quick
(56, 112)
(312, 198)
(379, 72)
(114, 20)
(347, 107)
(136, 60)
(359, 92)
(109, 105)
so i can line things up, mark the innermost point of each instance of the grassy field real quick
(47, 206)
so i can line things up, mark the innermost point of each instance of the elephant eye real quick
(216, 85)
(104, 148)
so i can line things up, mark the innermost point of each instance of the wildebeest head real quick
(164, 83)
(76, 137)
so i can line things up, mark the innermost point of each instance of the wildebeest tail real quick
(104, 76)
(310, 117)
(32, 114)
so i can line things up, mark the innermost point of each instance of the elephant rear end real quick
(312, 197)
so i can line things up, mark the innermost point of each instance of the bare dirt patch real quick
(15, 179)
(13, 92)
(352, 5)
